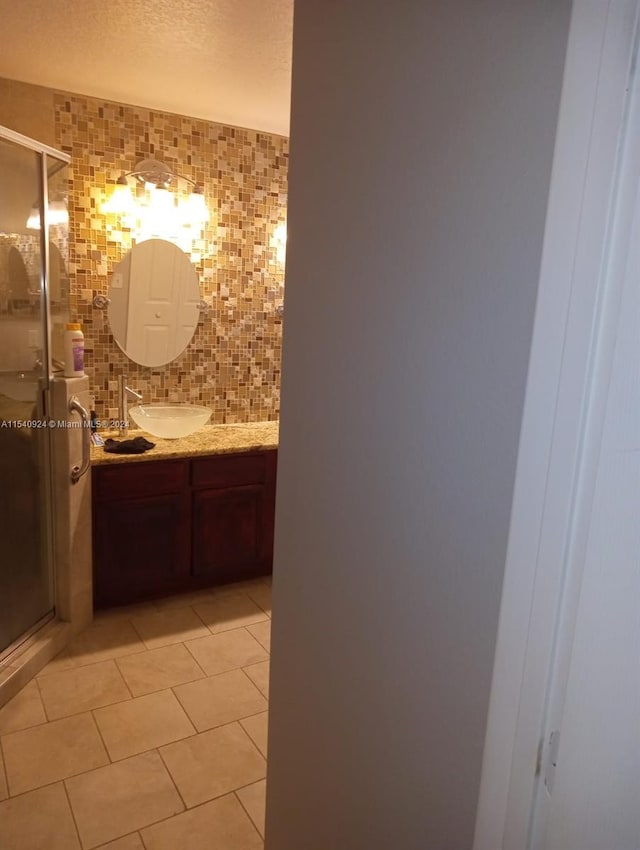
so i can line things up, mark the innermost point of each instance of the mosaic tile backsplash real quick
(233, 362)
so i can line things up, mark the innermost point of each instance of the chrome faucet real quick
(123, 407)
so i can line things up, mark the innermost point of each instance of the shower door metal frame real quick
(45, 154)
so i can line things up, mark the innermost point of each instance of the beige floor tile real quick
(129, 842)
(170, 626)
(124, 797)
(221, 824)
(256, 728)
(259, 675)
(24, 710)
(229, 612)
(184, 600)
(142, 724)
(220, 699)
(261, 595)
(247, 585)
(40, 820)
(254, 799)
(101, 641)
(213, 763)
(262, 633)
(157, 669)
(123, 612)
(4, 791)
(226, 651)
(53, 751)
(82, 688)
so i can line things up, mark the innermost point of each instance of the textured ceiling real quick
(223, 60)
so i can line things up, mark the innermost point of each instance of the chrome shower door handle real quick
(78, 471)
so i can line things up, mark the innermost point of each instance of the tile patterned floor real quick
(149, 732)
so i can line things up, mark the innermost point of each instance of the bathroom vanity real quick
(189, 514)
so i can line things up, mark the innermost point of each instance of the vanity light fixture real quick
(157, 178)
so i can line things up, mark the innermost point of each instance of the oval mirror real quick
(154, 301)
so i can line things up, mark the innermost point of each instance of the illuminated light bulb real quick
(195, 210)
(160, 216)
(121, 201)
(57, 213)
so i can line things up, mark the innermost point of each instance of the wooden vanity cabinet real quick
(166, 526)
(232, 516)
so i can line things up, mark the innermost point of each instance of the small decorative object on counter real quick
(73, 351)
(128, 447)
(96, 439)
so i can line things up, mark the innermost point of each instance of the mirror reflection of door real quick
(57, 272)
(154, 302)
(18, 278)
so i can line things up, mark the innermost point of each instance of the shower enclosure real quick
(34, 308)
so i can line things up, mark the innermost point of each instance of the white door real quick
(588, 791)
(560, 768)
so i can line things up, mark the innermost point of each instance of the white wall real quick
(422, 139)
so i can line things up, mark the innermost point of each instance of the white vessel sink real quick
(170, 420)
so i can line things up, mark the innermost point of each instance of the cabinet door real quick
(140, 544)
(228, 533)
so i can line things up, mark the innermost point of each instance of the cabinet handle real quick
(78, 471)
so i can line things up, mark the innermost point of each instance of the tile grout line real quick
(42, 675)
(104, 743)
(133, 626)
(4, 768)
(187, 810)
(199, 617)
(44, 707)
(25, 728)
(204, 672)
(13, 797)
(247, 629)
(139, 830)
(63, 779)
(257, 640)
(126, 684)
(245, 809)
(83, 711)
(174, 783)
(246, 731)
(73, 814)
(262, 608)
(183, 706)
(186, 714)
(259, 690)
(251, 741)
(71, 775)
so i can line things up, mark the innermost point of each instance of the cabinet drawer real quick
(139, 479)
(229, 470)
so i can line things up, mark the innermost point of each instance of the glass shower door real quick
(29, 275)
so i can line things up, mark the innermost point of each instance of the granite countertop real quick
(212, 439)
